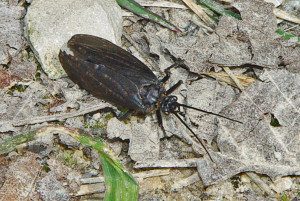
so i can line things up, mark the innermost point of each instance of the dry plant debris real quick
(267, 143)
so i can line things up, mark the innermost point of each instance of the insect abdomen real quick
(98, 70)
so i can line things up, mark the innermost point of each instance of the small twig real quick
(163, 4)
(138, 176)
(260, 183)
(151, 173)
(286, 16)
(180, 163)
(94, 185)
(139, 10)
(58, 117)
(279, 14)
(91, 189)
(293, 27)
(185, 182)
(199, 11)
(196, 20)
(226, 1)
(92, 180)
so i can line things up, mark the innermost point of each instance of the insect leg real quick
(167, 76)
(167, 70)
(174, 87)
(177, 64)
(160, 121)
(181, 114)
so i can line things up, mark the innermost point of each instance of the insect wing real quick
(106, 71)
(101, 51)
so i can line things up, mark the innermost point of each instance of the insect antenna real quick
(207, 112)
(199, 139)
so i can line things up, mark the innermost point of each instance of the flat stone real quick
(282, 184)
(50, 24)
(144, 137)
(11, 40)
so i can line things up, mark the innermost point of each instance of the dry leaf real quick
(224, 77)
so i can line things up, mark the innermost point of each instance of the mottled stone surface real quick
(50, 24)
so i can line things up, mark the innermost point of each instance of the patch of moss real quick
(38, 71)
(101, 123)
(46, 168)
(108, 116)
(284, 197)
(68, 159)
(17, 87)
(96, 125)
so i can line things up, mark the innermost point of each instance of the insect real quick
(112, 74)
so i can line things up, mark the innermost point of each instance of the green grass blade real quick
(10, 144)
(120, 185)
(287, 36)
(139, 10)
(218, 8)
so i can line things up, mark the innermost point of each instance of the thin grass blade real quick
(143, 12)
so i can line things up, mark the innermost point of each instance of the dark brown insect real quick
(114, 75)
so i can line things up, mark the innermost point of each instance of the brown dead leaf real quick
(224, 77)
(23, 68)
(3, 169)
(6, 78)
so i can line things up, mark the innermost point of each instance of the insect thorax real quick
(151, 96)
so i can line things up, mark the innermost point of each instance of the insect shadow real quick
(112, 74)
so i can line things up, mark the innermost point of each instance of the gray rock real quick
(75, 122)
(144, 137)
(11, 40)
(282, 184)
(235, 42)
(21, 172)
(210, 96)
(292, 7)
(69, 141)
(259, 145)
(52, 189)
(50, 24)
